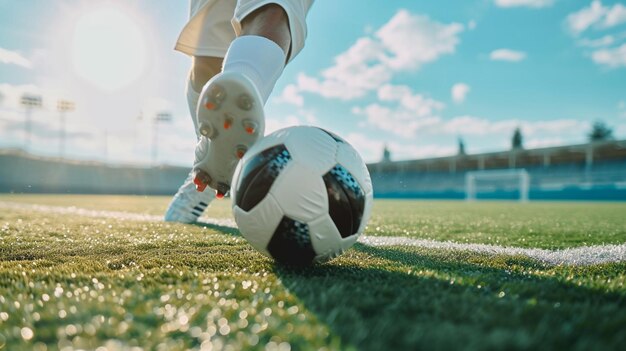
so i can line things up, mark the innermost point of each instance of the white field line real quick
(578, 256)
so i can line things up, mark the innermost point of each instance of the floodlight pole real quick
(160, 117)
(63, 106)
(29, 102)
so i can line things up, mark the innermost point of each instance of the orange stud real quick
(200, 185)
(249, 130)
(240, 153)
(227, 124)
(219, 195)
(209, 105)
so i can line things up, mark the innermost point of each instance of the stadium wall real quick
(578, 172)
(593, 171)
(22, 173)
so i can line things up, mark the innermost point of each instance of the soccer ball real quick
(301, 195)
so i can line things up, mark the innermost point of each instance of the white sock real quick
(259, 59)
(192, 101)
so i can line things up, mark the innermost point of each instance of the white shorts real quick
(214, 24)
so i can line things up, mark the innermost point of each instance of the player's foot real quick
(230, 121)
(188, 204)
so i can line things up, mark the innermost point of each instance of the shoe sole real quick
(230, 114)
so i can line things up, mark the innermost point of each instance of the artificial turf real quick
(71, 282)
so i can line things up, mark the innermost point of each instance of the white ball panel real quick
(350, 159)
(325, 238)
(348, 242)
(313, 147)
(235, 182)
(258, 225)
(300, 192)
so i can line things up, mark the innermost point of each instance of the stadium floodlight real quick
(29, 102)
(161, 117)
(511, 178)
(63, 106)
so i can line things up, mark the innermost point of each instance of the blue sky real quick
(412, 75)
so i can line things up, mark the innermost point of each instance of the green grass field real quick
(76, 282)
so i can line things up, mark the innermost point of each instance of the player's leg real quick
(230, 113)
(207, 52)
(188, 204)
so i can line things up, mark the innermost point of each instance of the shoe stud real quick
(245, 102)
(249, 126)
(228, 121)
(240, 151)
(206, 130)
(218, 93)
(200, 185)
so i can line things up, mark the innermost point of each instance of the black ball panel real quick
(258, 175)
(291, 243)
(333, 135)
(346, 200)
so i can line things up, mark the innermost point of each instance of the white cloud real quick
(404, 112)
(555, 127)
(428, 40)
(507, 55)
(15, 58)
(459, 92)
(596, 43)
(291, 95)
(302, 117)
(477, 126)
(407, 130)
(615, 57)
(371, 149)
(615, 16)
(470, 125)
(597, 16)
(579, 21)
(526, 3)
(405, 151)
(418, 104)
(373, 60)
(398, 121)
(536, 143)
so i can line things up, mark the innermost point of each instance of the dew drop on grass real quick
(27, 333)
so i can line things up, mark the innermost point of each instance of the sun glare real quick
(108, 48)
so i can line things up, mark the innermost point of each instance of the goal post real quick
(515, 177)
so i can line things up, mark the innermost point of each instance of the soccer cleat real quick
(231, 119)
(188, 204)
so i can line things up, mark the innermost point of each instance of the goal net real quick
(488, 184)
